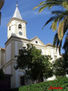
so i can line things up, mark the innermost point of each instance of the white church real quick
(17, 38)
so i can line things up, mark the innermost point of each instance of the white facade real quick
(17, 38)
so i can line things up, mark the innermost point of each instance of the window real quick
(55, 56)
(20, 26)
(36, 41)
(9, 27)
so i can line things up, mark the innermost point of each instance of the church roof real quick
(49, 44)
(36, 38)
(17, 13)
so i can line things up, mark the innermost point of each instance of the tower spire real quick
(17, 12)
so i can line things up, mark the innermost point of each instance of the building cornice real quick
(16, 20)
(16, 38)
(3, 49)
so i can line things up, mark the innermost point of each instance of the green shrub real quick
(43, 86)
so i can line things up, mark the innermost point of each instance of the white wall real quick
(51, 78)
(18, 75)
(15, 30)
(7, 70)
(8, 52)
(18, 45)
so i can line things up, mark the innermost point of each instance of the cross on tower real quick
(16, 3)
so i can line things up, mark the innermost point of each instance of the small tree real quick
(36, 65)
(58, 67)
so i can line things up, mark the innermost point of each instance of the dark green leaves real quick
(38, 65)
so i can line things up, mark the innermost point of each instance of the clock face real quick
(20, 33)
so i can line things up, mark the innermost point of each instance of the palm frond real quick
(54, 25)
(65, 46)
(1, 3)
(65, 24)
(0, 17)
(55, 39)
(51, 19)
(65, 4)
(54, 18)
(49, 3)
(59, 18)
(57, 42)
(42, 8)
(57, 12)
(60, 30)
(41, 4)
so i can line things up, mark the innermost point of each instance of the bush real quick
(44, 86)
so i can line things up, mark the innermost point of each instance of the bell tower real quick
(17, 26)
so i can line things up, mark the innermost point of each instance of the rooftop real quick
(17, 13)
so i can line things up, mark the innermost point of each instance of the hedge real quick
(44, 86)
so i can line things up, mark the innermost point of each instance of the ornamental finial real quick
(16, 3)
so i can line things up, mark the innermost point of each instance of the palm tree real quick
(59, 18)
(61, 65)
(65, 46)
(1, 5)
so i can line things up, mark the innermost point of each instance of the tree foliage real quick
(36, 65)
(61, 64)
(59, 67)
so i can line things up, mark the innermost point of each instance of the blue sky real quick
(34, 20)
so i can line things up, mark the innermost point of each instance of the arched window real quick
(20, 26)
(9, 27)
